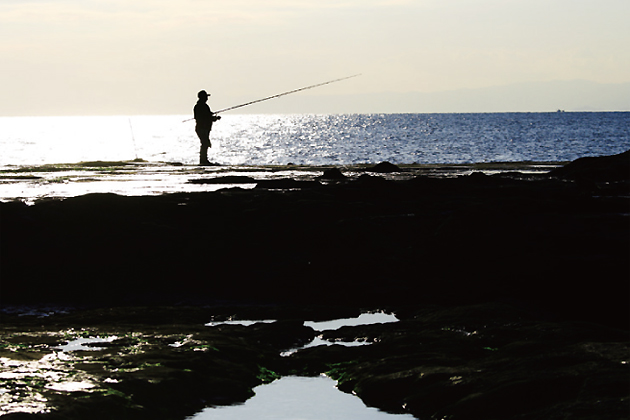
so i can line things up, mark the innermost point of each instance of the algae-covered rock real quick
(497, 361)
(485, 361)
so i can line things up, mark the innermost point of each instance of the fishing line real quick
(133, 139)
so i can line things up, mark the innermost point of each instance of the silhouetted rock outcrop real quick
(385, 167)
(333, 174)
(604, 168)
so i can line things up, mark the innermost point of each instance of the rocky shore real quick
(512, 290)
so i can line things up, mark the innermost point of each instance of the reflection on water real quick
(80, 343)
(21, 380)
(294, 397)
(139, 179)
(363, 319)
(245, 323)
(33, 368)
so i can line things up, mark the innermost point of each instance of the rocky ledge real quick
(512, 291)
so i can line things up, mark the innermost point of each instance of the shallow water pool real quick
(304, 398)
(299, 398)
(363, 319)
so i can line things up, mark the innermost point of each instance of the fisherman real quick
(204, 118)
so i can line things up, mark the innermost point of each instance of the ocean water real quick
(318, 139)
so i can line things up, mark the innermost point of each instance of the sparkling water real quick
(318, 139)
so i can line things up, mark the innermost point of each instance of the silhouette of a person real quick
(204, 118)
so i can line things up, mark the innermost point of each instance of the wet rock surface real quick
(159, 363)
(492, 360)
(512, 291)
(483, 361)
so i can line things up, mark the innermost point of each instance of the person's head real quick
(203, 95)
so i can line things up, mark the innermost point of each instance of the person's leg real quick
(203, 154)
(204, 138)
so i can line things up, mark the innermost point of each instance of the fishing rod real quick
(280, 94)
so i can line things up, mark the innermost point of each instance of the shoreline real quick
(30, 183)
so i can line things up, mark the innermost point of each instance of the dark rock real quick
(231, 179)
(467, 370)
(385, 167)
(604, 168)
(369, 181)
(478, 176)
(332, 174)
(282, 335)
(285, 184)
(102, 164)
(455, 229)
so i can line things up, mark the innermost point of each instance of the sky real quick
(141, 57)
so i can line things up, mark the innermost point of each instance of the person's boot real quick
(203, 156)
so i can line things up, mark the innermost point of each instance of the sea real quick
(318, 140)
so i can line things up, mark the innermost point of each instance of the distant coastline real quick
(571, 96)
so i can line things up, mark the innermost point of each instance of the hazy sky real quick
(152, 56)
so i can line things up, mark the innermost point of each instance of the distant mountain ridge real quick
(578, 95)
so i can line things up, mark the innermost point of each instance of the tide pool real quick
(299, 398)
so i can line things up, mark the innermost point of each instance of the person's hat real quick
(202, 94)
